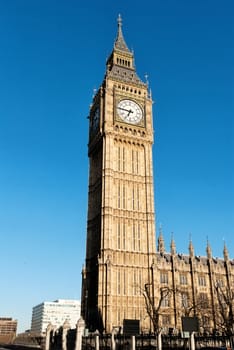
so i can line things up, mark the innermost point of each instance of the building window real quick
(219, 282)
(132, 161)
(203, 297)
(119, 196)
(166, 320)
(118, 316)
(134, 283)
(121, 156)
(124, 282)
(133, 198)
(119, 160)
(118, 234)
(164, 277)
(183, 279)
(138, 198)
(139, 281)
(165, 301)
(205, 322)
(139, 237)
(134, 236)
(184, 300)
(137, 162)
(118, 283)
(124, 236)
(202, 281)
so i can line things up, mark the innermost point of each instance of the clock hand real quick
(130, 111)
(124, 109)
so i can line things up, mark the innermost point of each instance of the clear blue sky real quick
(52, 56)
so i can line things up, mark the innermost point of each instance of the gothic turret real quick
(173, 247)
(225, 253)
(191, 249)
(208, 250)
(161, 247)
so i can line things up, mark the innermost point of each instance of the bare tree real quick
(224, 309)
(201, 307)
(204, 312)
(153, 308)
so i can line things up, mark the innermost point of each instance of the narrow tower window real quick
(138, 198)
(124, 236)
(137, 163)
(140, 281)
(118, 283)
(123, 159)
(134, 236)
(119, 195)
(139, 237)
(183, 279)
(133, 197)
(133, 161)
(118, 234)
(134, 283)
(184, 300)
(124, 282)
(119, 160)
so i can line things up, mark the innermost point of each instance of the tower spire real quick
(120, 64)
(120, 43)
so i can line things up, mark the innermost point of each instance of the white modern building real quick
(56, 313)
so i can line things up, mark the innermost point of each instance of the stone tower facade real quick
(121, 221)
(125, 277)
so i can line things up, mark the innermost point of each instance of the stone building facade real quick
(123, 269)
(54, 312)
(201, 286)
(8, 329)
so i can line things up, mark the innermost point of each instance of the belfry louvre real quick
(126, 277)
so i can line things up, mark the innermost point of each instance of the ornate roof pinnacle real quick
(208, 250)
(172, 246)
(191, 248)
(161, 247)
(225, 252)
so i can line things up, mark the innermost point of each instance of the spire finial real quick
(146, 79)
(119, 20)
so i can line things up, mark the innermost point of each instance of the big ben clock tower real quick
(120, 245)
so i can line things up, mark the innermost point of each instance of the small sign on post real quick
(131, 327)
(190, 324)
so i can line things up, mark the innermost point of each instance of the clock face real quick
(129, 111)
